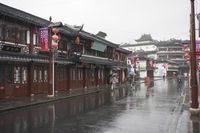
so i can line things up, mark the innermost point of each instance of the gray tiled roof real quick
(21, 15)
(145, 37)
(96, 38)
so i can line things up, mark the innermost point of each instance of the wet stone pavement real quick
(152, 108)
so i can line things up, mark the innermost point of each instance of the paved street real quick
(152, 108)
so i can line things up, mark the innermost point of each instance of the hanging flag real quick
(77, 41)
(43, 39)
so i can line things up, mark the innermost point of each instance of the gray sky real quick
(122, 20)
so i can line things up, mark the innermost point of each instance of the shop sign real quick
(44, 39)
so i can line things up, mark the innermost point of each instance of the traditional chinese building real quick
(81, 61)
(171, 54)
(145, 48)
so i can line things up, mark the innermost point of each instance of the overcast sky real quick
(122, 20)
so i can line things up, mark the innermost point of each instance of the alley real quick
(152, 108)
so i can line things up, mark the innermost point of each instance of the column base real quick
(50, 96)
(195, 111)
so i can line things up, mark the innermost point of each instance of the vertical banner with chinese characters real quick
(44, 39)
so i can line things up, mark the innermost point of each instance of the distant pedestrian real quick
(164, 76)
(179, 78)
(113, 80)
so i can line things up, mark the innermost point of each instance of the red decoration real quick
(188, 61)
(187, 49)
(55, 30)
(186, 56)
(59, 37)
(44, 39)
(35, 30)
(77, 40)
(54, 44)
(55, 37)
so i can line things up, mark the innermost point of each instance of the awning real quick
(95, 60)
(98, 46)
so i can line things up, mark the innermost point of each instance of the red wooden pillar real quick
(50, 73)
(31, 47)
(194, 85)
(30, 78)
(31, 64)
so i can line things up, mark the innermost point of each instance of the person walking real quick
(113, 80)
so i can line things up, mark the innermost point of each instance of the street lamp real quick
(194, 94)
(54, 39)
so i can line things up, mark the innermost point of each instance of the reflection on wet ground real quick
(147, 108)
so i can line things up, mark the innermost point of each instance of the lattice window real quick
(28, 37)
(35, 75)
(45, 76)
(40, 75)
(24, 75)
(17, 74)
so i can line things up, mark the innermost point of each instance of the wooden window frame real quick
(24, 75)
(17, 75)
(35, 75)
(45, 76)
(40, 75)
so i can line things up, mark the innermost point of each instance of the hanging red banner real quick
(44, 39)
(77, 40)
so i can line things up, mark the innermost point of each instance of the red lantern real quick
(185, 46)
(59, 37)
(77, 41)
(187, 49)
(55, 30)
(55, 37)
(186, 56)
(54, 44)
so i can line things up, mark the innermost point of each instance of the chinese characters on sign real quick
(44, 39)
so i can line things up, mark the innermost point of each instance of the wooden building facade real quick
(25, 70)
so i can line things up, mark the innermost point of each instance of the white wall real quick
(150, 47)
(143, 74)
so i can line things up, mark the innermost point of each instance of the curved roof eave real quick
(22, 16)
(96, 38)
